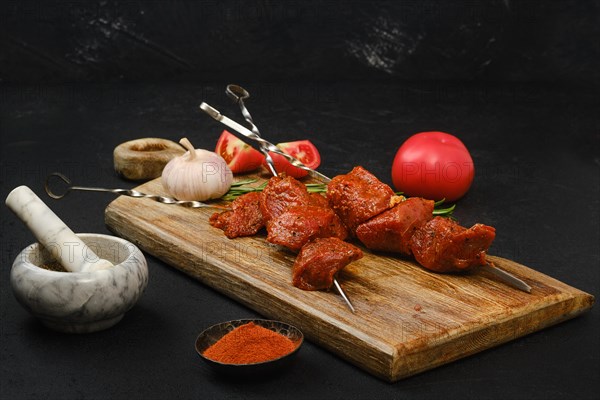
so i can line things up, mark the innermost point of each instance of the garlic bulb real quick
(196, 175)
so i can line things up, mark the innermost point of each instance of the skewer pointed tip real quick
(507, 278)
(341, 292)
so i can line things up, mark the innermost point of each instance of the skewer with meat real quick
(305, 222)
(438, 244)
(368, 208)
(293, 218)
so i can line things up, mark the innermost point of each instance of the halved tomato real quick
(239, 156)
(303, 150)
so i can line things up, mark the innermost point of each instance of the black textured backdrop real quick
(211, 40)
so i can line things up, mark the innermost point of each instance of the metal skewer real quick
(505, 277)
(216, 114)
(341, 292)
(238, 94)
(124, 192)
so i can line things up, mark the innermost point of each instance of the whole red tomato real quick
(239, 156)
(433, 165)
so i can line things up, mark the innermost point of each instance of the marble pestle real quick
(66, 247)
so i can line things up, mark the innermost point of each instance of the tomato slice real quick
(239, 156)
(303, 150)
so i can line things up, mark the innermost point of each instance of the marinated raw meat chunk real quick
(442, 245)
(392, 229)
(281, 194)
(317, 199)
(358, 196)
(320, 260)
(244, 219)
(297, 225)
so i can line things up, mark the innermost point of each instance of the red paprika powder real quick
(249, 344)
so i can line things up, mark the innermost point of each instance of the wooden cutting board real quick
(407, 319)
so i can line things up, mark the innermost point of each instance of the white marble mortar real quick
(81, 302)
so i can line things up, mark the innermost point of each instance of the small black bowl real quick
(211, 335)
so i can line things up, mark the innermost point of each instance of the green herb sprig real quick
(444, 212)
(241, 187)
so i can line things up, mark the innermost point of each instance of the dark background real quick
(517, 81)
(211, 41)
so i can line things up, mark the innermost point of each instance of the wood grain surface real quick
(407, 319)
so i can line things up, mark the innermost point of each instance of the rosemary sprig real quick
(316, 187)
(241, 187)
(242, 183)
(444, 212)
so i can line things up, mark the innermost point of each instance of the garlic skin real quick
(198, 175)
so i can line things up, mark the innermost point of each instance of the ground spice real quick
(53, 266)
(248, 344)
